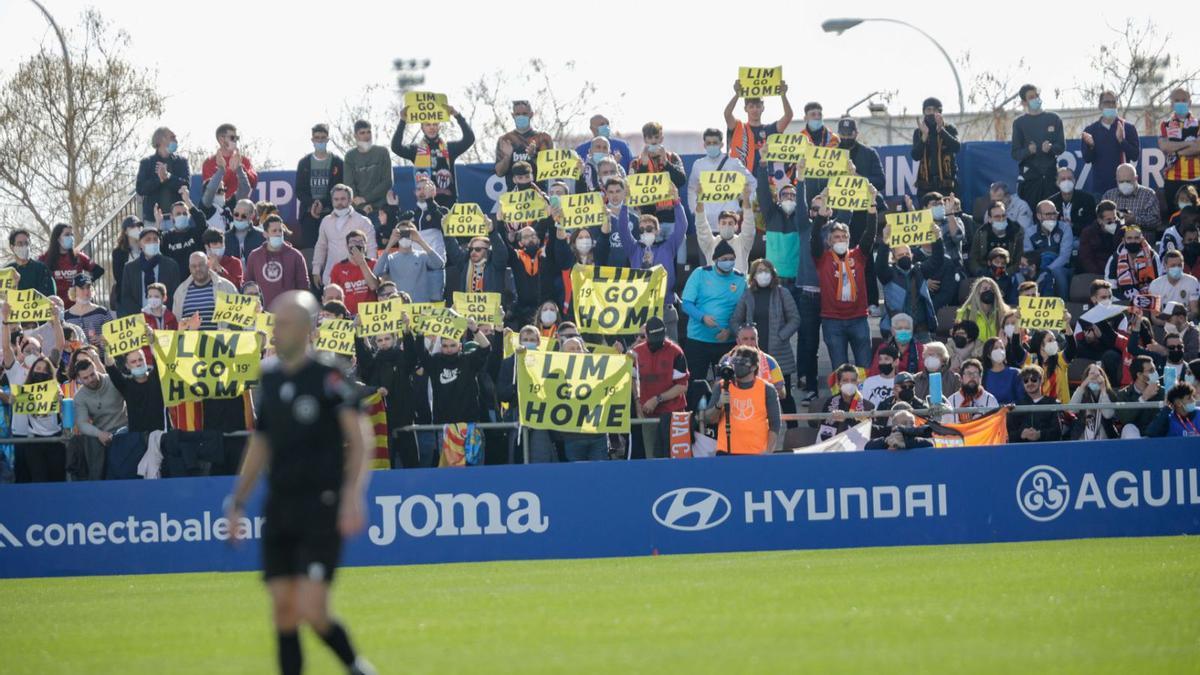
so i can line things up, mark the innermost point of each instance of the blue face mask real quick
(172, 147)
(320, 147)
(725, 265)
(139, 371)
(903, 335)
(1180, 108)
(815, 125)
(276, 242)
(151, 250)
(1094, 387)
(1174, 273)
(68, 242)
(181, 222)
(241, 224)
(522, 121)
(1035, 103)
(598, 156)
(602, 130)
(713, 151)
(1109, 113)
(939, 212)
(219, 252)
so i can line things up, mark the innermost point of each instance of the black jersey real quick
(298, 413)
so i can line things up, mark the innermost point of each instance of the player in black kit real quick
(312, 437)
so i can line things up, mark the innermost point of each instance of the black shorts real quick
(301, 540)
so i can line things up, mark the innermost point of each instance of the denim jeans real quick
(839, 333)
(586, 448)
(808, 336)
(541, 447)
(1062, 282)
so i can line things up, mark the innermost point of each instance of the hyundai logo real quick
(1043, 493)
(691, 509)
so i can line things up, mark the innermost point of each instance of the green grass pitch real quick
(1111, 605)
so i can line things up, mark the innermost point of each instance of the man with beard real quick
(433, 156)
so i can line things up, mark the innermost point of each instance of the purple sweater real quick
(661, 253)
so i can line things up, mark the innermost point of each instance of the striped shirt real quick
(90, 324)
(1180, 168)
(200, 299)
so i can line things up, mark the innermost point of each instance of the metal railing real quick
(99, 241)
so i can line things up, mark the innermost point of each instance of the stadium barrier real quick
(1019, 492)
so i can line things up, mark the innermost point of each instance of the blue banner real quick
(1013, 493)
(980, 164)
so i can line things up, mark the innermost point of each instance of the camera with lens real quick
(725, 371)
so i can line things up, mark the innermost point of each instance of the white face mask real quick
(29, 360)
(22, 252)
(404, 243)
(1051, 348)
(841, 247)
(726, 232)
(154, 303)
(583, 245)
(933, 364)
(1048, 225)
(1110, 228)
(648, 239)
(1106, 302)
(341, 213)
(999, 228)
(548, 316)
(364, 145)
(1125, 188)
(788, 206)
(848, 389)
(1010, 330)
(997, 356)
(1066, 186)
(763, 279)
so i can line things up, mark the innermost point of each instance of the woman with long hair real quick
(1045, 351)
(127, 249)
(64, 262)
(985, 306)
(1092, 425)
(34, 462)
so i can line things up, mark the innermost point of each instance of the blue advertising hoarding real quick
(1016, 492)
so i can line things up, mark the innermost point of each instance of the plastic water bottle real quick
(68, 413)
(1170, 376)
(935, 388)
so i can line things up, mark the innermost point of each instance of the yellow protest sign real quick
(28, 306)
(1040, 313)
(522, 206)
(760, 82)
(264, 322)
(648, 188)
(617, 300)
(35, 399)
(417, 311)
(557, 164)
(849, 193)
(911, 228)
(721, 186)
(236, 310)
(585, 393)
(513, 340)
(377, 318)
(583, 210)
(788, 148)
(465, 220)
(195, 365)
(8, 281)
(483, 307)
(125, 335)
(337, 336)
(424, 107)
(445, 323)
(821, 162)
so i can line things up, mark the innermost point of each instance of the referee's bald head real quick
(295, 317)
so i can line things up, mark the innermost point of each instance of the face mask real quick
(276, 242)
(172, 147)
(530, 345)
(1175, 355)
(725, 265)
(841, 247)
(597, 157)
(181, 222)
(1051, 348)
(647, 239)
(1107, 302)
(139, 371)
(713, 151)
(218, 202)
(788, 206)
(134, 234)
(1109, 113)
(1175, 273)
(1025, 271)
(960, 341)
(816, 125)
(1000, 227)
(1010, 330)
(1183, 205)
(29, 360)
(847, 143)
(905, 263)
(1048, 225)
(67, 242)
(1110, 228)
(1035, 104)
(22, 252)
(1067, 186)
(342, 212)
(364, 145)
(1152, 378)
(602, 130)
(1126, 188)
(987, 297)
(903, 336)
(1180, 108)
(906, 394)
(742, 369)
(404, 243)
(320, 147)
(1190, 408)
(653, 148)
(997, 356)
(933, 364)
(548, 316)
(848, 389)
(726, 232)
(241, 225)
(885, 368)
(522, 121)
(150, 250)
(530, 249)
(939, 212)
(656, 342)
(154, 303)
(218, 252)
(970, 388)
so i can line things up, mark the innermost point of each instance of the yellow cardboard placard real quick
(37, 399)
(425, 107)
(616, 300)
(585, 209)
(196, 365)
(560, 163)
(236, 310)
(648, 188)
(522, 206)
(760, 82)
(912, 228)
(822, 162)
(465, 220)
(264, 323)
(586, 393)
(28, 306)
(849, 193)
(125, 335)
(445, 323)
(8, 281)
(378, 318)
(787, 148)
(337, 336)
(483, 307)
(721, 186)
(1041, 313)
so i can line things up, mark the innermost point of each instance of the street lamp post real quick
(840, 26)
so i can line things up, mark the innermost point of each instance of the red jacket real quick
(64, 270)
(659, 371)
(167, 322)
(209, 169)
(832, 307)
(347, 275)
(233, 270)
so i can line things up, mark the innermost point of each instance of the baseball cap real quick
(847, 126)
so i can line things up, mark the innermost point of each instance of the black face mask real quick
(960, 341)
(530, 249)
(847, 143)
(970, 388)
(987, 297)
(930, 122)
(655, 342)
(885, 368)
(742, 369)
(1175, 354)
(905, 393)
(904, 264)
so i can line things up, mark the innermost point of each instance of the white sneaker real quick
(362, 667)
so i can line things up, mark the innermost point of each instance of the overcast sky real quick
(285, 65)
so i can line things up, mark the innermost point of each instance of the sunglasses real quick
(478, 249)
(235, 138)
(1031, 378)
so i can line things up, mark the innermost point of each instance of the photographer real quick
(902, 432)
(411, 267)
(755, 426)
